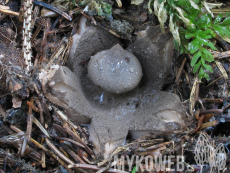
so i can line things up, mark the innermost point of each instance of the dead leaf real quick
(16, 102)
(137, 2)
(143, 17)
(17, 87)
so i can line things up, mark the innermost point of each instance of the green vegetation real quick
(193, 27)
(98, 7)
(191, 22)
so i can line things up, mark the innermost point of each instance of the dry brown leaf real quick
(16, 102)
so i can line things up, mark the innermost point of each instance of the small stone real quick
(115, 70)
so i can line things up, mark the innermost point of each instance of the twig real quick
(14, 128)
(58, 30)
(16, 30)
(68, 48)
(74, 155)
(28, 131)
(226, 107)
(6, 93)
(186, 75)
(103, 169)
(70, 132)
(158, 145)
(56, 21)
(35, 155)
(69, 140)
(194, 95)
(6, 37)
(6, 128)
(220, 55)
(179, 71)
(5, 9)
(200, 121)
(52, 154)
(36, 33)
(104, 162)
(41, 127)
(35, 15)
(24, 145)
(44, 41)
(221, 68)
(36, 90)
(209, 124)
(212, 100)
(31, 105)
(40, 111)
(87, 160)
(2, 16)
(62, 13)
(29, 124)
(43, 159)
(64, 117)
(75, 10)
(213, 82)
(58, 152)
(107, 29)
(60, 131)
(212, 111)
(64, 152)
(57, 52)
(17, 161)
